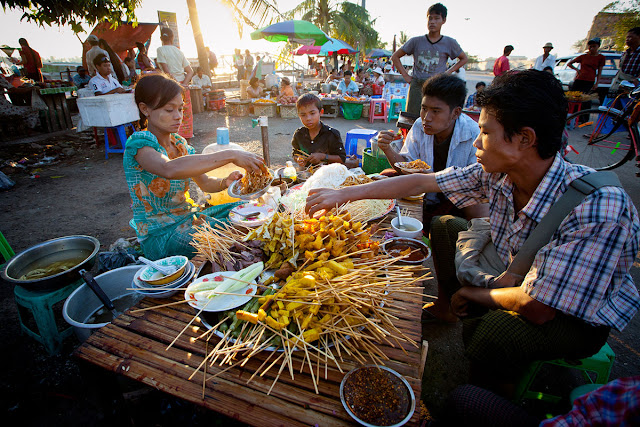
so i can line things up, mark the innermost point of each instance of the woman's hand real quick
(323, 198)
(248, 161)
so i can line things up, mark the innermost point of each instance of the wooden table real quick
(134, 345)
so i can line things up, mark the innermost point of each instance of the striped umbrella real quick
(329, 48)
(303, 32)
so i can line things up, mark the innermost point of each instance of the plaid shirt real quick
(584, 270)
(471, 100)
(613, 404)
(630, 62)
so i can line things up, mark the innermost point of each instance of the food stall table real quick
(58, 116)
(134, 345)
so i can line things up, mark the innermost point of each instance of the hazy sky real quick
(482, 28)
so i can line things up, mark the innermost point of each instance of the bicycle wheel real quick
(598, 139)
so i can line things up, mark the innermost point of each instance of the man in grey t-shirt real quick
(430, 53)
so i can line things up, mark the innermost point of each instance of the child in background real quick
(471, 100)
(316, 143)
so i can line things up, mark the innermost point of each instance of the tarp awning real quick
(121, 38)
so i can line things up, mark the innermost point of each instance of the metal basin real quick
(81, 248)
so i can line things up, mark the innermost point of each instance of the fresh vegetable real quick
(211, 288)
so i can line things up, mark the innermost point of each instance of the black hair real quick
(508, 49)
(437, 9)
(348, 73)
(23, 42)
(547, 68)
(199, 70)
(155, 90)
(80, 67)
(114, 58)
(99, 59)
(635, 30)
(253, 80)
(480, 84)
(448, 88)
(308, 99)
(140, 46)
(529, 98)
(166, 35)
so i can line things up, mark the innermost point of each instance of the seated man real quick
(441, 137)
(201, 80)
(578, 286)
(103, 83)
(82, 78)
(348, 86)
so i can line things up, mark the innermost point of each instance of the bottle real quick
(289, 171)
(222, 143)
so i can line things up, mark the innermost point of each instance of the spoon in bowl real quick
(400, 226)
(164, 269)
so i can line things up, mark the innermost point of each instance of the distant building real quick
(604, 26)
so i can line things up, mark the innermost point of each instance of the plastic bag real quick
(5, 182)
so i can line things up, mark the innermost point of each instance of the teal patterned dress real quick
(163, 216)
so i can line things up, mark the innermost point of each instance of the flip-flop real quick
(428, 317)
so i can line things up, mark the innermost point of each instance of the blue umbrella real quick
(303, 32)
(379, 53)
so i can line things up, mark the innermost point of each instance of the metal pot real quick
(81, 248)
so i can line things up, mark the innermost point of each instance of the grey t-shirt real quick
(431, 58)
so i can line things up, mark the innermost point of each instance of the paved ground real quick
(82, 193)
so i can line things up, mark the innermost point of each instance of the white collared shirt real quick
(101, 85)
(419, 145)
(540, 65)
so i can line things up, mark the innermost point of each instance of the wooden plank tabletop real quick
(135, 345)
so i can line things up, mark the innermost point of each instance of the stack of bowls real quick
(151, 283)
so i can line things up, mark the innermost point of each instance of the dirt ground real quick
(80, 192)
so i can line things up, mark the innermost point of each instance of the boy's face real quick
(480, 88)
(593, 48)
(104, 68)
(309, 115)
(434, 22)
(436, 115)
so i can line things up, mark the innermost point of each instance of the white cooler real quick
(108, 110)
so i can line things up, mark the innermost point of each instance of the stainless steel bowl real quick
(82, 248)
(412, 397)
(412, 243)
(234, 191)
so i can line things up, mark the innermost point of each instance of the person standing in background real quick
(430, 53)
(629, 61)
(30, 60)
(213, 61)
(239, 64)
(173, 63)
(546, 59)
(501, 65)
(92, 53)
(248, 63)
(590, 71)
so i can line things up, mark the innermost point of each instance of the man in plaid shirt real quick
(629, 61)
(579, 285)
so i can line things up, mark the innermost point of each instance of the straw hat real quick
(378, 70)
(548, 44)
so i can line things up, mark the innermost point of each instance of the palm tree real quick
(403, 37)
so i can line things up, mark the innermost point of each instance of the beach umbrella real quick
(379, 53)
(303, 32)
(329, 48)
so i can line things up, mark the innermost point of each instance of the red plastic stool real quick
(381, 106)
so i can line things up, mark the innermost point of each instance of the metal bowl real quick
(411, 395)
(82, 248)
(412, 243)
(234, 191)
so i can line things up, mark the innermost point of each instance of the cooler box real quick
(108, 110)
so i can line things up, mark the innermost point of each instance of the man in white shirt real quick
(103, 82)
(92, 53)
(546, 59)
(172, 61)
(201, 80)
(348, 86)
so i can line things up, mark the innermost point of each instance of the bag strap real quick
(541, 235)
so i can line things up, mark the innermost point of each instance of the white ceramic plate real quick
(403, 167)
(222, 302)
(264, 213)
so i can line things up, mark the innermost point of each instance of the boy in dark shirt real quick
(315, 143)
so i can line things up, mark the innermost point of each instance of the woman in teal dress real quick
(159, 164)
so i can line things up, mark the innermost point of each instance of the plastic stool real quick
(600, 363)
(118, 135)
(394, 112)
(40, 306)
(357, 140)
(382, 106)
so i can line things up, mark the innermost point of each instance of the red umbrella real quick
(329, 48)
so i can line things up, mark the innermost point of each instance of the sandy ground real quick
(82, 193)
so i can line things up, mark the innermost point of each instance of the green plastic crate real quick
(371, 164)
(351, 111)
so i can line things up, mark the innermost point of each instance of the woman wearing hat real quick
(546, 59)
(378, 77)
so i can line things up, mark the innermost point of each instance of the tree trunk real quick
(203, 56)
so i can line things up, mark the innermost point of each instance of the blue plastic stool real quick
(394, 111)
(118, 136)
(357, 140)
(600, 363)
(40, 306)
